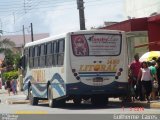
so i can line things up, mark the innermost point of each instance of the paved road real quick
(70, 108)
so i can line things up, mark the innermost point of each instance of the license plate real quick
(98, 79)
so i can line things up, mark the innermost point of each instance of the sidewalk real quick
(152, 104)
(2, 91)
(12, 99)
(20, 98)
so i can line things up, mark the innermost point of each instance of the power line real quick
(21, 14)
(38, 6)
(12, 32)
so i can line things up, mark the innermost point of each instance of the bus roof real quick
(40, 41)
(51, 38)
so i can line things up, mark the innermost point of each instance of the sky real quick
(56, 16)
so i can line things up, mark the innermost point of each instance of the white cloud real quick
(97, 15)
(65, 17)
(62, 20)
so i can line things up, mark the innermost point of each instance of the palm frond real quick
(7, 43)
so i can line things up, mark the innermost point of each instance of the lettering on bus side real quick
(38, 75)
(110, 66)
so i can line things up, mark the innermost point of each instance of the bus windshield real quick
(96, 44)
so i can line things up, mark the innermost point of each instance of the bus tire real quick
(32, 100)
(59, 103)
(52, 101)
(77, 101)
(50, 96)
(99, 100)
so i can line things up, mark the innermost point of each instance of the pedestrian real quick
(14, 86)
(12, 82)
(133, 75)
(8, 86)
(0, 83)
(154, 58)
(158, 74)
(154, 79)
(146, 78)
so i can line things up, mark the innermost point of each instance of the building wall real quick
(154, 35)
(19, 41)
(141, 8)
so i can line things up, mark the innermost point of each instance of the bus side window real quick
(49, 54)
(31, 55)
(61, 52)
(36, 56)
(54, 50)
(42, 55)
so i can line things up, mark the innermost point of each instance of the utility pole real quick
(32, 33)
(80, 7)
(24, 39)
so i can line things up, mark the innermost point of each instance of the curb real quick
(17, 101)
(155, 105)
(23, 101)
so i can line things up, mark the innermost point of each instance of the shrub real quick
(10, 75)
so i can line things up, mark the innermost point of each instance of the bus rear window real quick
(96, 44)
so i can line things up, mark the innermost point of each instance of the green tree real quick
(11, 60)
(6, 44)
(8, 60)
(6, 47)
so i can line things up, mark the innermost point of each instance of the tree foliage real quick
(11, 59)
(6, 44)
(10, 75)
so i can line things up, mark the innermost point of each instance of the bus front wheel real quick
(50, 96)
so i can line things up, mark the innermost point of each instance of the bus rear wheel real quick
(77, 101)
(33, 100)
(53, 102)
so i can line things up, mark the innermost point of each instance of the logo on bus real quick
(109, 66)
(38, 75)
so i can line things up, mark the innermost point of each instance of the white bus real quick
(80, 65)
